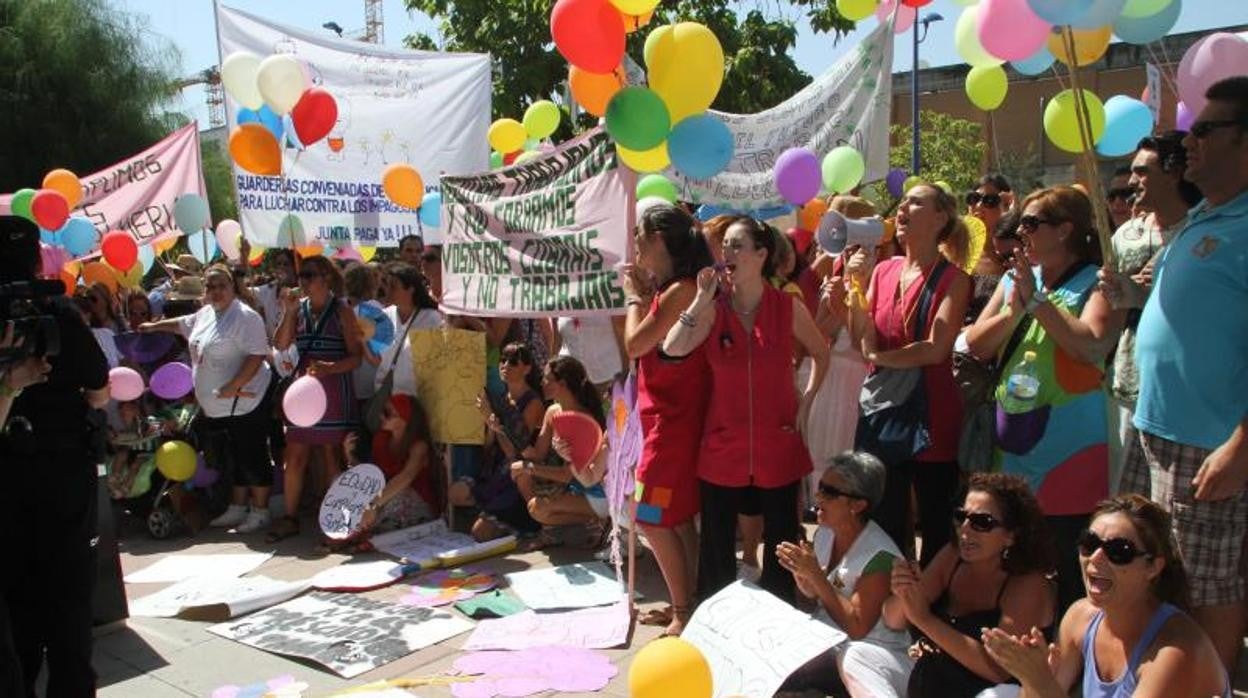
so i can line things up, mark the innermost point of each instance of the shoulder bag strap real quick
(925, 298)
(394, 360)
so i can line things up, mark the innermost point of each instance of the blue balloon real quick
(50, 237)
(431, 210)
(264, 116)
(1035, 64)
(79, 236)
(1101, 13)
(147, 257)
(202, 244)
(1144, 30)
(700, 146)
(1127, 120)
(1060, 11)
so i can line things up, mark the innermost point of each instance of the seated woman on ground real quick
(561, 495)
(1130, 627)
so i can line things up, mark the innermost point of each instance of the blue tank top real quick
(1123, 686)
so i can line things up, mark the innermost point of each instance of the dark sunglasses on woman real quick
(985, 200)
(1119, 551)
(832, 492)
(980, 521)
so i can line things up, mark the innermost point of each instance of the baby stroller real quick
(141, 488)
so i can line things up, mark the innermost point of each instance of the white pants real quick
(873, 671)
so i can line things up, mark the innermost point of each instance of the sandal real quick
(596, 534)
(681, 614)
(285, 527)
(544, 539)
(657, 616)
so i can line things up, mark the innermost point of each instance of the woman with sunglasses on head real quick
(752, 445)
(1130, 636)
(847, 570)
(413, 309)
(324, 331)
(991, 576)
(1049, 319)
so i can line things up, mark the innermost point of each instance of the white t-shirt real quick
(219, 344)
(404, 373)
(269, 298)
(844, 577)
(591, 340)
(107, 339)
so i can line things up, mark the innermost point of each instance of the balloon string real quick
(1166, 76)
(1087, 158)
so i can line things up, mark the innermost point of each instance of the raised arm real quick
(993, 328)
(693, 326)
(1089, 337)
(644, 330)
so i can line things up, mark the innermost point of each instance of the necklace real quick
(746, 313)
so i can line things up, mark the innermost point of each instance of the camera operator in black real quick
(48, 455)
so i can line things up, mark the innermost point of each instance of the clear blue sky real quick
(188, 24)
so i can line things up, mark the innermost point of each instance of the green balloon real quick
(496, 159)
(20, 204)
(911, 182)
(657, 185)
(541, 119)
(638, 119)
(843, 169)
(1135, 9)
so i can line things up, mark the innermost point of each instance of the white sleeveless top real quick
(844, 577)
(591, 340)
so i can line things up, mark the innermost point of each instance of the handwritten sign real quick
(215, 598)
(567, 586)
(449, 367)
(589, 628)
(343, 506)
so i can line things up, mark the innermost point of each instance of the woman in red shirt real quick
(751, 444)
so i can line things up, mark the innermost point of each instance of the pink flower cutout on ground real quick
(442, 587)
(281, 687)
(534, 670)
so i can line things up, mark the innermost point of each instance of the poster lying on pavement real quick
(346, 633)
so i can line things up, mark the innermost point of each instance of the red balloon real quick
(314, 115)
(915, 3)
(49, 209)
(589, 33)
(511, 157)
(119, 250)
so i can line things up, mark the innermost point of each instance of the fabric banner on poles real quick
(544, 238)
(848, 105)
(430, 110)
(136, 194)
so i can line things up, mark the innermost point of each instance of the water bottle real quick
(1022, 385)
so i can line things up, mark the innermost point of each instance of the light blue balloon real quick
(190, 213)
(1127, 120)
(147, 257)
(264, 116)
(700, 146)
(1144, 30)
(431, 210)
(290, 232)
(1060, 11)
(202, 244)
(79, 236)
(1101, 13)
(50, 237)
(1036, 63)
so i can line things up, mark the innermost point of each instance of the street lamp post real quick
(914, 89)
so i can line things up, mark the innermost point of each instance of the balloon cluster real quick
(280, 108)
(514, 141)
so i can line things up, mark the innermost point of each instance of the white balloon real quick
(281, 82)
(238, 77)
(228, 232)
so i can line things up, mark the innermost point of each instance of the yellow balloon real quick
(854, 10)
(134, 277)
(635, 7)
(686, 69)
(975, 242)
(966, 40)
(986, 86)
(669, 667)
(507, 136)
(1090, 45)
(176, 460)
(652, 160)
(1061, 121)
(367, 252)
(660, 37)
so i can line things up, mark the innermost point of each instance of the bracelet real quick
(688, 320)
(634, 300)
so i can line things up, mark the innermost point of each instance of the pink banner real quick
(137, 194)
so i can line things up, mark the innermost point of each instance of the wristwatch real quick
(1037, 299)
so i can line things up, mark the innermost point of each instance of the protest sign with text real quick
(544, 238)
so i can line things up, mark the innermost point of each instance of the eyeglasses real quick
(980, 521)
(1200, 129)
(309, 274)
(1123, 193)
(827, 491)
(1030, 222)
(985, 200)
(1120, 551)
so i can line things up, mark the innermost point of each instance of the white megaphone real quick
(836, 232)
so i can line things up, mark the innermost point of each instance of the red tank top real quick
(751, 435)
(391, 465)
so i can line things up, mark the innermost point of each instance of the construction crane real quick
(214, 95)
(374, 31)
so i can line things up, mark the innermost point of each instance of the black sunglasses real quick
(980, 521)
(832, 492)
(987, 200)
(1120, 551)
(1030, 222)
(1200, 129)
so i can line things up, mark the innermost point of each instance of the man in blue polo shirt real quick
(1192, 353)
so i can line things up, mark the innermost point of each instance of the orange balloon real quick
(67, 183)
(634, 22)
(255, 149)
(313, 250)
(403, 185)
(810, 213)
(1090, 45)
(70, 279)
(164, 245)
(99, 272)
(593, 90)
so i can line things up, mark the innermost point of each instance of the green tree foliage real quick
(219, 180)
(82, 84)
(824, 17)
(951, 149)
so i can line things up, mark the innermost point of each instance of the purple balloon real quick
(172, 381)
(798, 175)
(895, 180)
(204, 476)
(1183, 117)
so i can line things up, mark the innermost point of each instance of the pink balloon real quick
(1213, 58)
(348, 253)
(125, 384)
(905, 16)
(227, 238)
(52, 260)
(1009, 30)
(1183, 117)
(305, 402)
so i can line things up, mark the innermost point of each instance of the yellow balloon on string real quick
(651, 160)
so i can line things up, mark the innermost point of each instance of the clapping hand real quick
(1029, 658)
(907, 586)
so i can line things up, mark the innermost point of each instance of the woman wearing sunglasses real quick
(1130, 636)
(846, 571)
(991, 576)
(1049, 307)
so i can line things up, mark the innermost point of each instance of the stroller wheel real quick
(160, 523)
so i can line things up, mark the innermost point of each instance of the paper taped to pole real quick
(449, 366)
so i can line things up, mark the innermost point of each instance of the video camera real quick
(24, 306)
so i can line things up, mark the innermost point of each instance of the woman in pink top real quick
(930, 231)
(751, 444)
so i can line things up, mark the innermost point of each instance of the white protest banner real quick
(430, 110)
(344, 502)
(541, 239)
(136, 195)
(347, 633)
(216, 598)
(754, 641)
(847, 105)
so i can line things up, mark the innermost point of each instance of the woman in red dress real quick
(671, 397)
